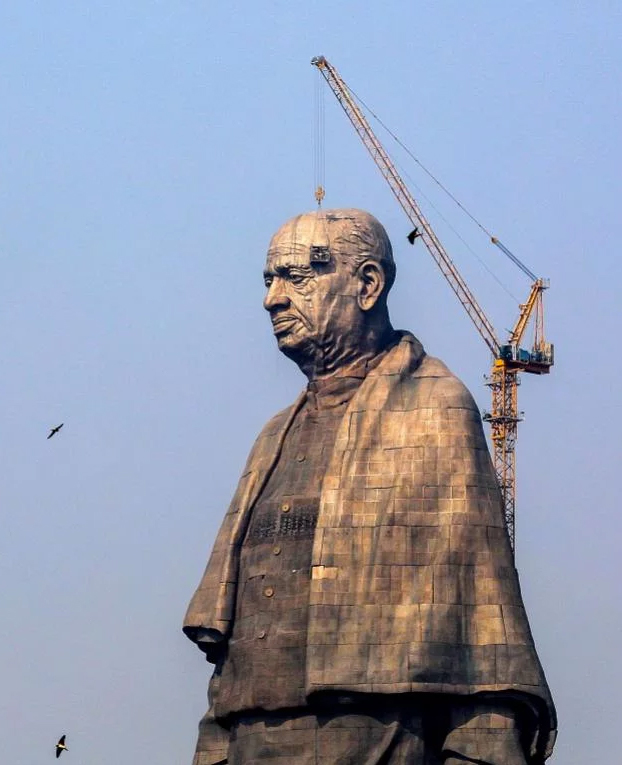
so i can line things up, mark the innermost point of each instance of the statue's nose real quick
(276, 297)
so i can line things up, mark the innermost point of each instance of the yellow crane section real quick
(509, 357)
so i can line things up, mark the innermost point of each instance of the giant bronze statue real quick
(361, 605)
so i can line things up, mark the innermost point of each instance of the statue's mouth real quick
(283, 324)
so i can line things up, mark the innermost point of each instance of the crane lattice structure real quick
(509, 357)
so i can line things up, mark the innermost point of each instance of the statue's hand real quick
(210, 641)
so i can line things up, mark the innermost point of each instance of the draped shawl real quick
(413, 584)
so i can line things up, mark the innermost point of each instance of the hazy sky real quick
(148, 152)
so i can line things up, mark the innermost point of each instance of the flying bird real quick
(61, 744)
(55, 430)
(413, 235)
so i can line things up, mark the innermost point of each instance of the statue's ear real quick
(371, 284)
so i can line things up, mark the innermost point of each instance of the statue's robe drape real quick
(413, 586)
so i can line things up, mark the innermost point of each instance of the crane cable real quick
(318, 140)
(319, 170)
(492, 238)
(456, 233)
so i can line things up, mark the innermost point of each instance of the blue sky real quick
(148, 152)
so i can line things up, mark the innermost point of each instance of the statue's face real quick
(313, 307)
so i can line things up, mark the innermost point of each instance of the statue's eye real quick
(267, 280)
(297, 278)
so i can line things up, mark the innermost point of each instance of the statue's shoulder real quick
(263, 449)
(433, 381)
(277, 422)
(275, 426)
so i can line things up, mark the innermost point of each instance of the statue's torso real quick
(265, 664)
(409, 537)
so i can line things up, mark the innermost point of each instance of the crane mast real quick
(509, 358)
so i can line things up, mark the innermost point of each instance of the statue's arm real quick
(210, 641)
(209, 617)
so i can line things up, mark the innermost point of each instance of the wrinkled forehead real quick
(292, 243)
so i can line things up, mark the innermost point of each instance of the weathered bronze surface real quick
(361, 603)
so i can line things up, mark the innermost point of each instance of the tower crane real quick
(509, 358)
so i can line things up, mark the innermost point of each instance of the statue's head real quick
(327, 276)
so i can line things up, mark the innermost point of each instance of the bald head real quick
(327, 275)
(349, 235)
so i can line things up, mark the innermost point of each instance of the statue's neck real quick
(342, 355)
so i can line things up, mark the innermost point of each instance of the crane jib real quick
(509, 358)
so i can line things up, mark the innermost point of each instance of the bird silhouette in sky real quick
(55, 430)
(60, 747)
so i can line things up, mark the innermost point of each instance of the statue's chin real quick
(301, 350)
